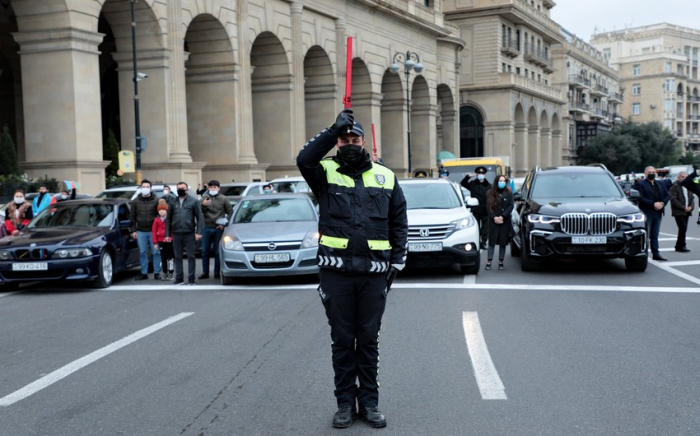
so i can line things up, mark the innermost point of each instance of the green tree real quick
(8, 154)
(110, 152)
(632, 147)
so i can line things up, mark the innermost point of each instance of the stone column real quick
(450, 131)
(244, 114)
(62, 109)
(298, 108)
(533, 142)
(520, 150)
(393, 134)
(423, 123)
(546, 158)
(557, 148)
(177, 107)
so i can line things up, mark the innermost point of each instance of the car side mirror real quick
(517, 196)
(125, 223)
(472, 202)
(634, 194)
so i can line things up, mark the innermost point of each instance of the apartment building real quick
(592, 89)
(509, 105)
(658, 66)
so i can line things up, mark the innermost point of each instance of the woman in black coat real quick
(499, 201)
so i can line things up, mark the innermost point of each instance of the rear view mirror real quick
(472, 202)
(634, 194)
(125, 223)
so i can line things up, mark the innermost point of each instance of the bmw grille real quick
(588, 224)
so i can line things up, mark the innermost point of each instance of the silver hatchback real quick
(270, 235)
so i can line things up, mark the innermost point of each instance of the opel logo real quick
(271, 246)
(424, 233)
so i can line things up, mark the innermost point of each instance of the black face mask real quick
(352, 155)
(651, 176)
(182, 192)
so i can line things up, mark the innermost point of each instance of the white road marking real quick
(688, 238)
(5, 294)
(505, 287)
(490, 384)
(74, 366)
(675, 272)
(469, 279)
(683, 263)
(667, 239)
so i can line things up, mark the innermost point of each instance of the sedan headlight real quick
(310, 240)
(632, 218)
(464, 223)
(5, 255)
(542, 219)
(71, 253)
(232, 243)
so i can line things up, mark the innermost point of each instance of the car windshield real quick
(274, 210)
(116, 194)
(233, 190)
(92, 215)
(457, 173)
(430, 196)
(296, 186)
(574, 185)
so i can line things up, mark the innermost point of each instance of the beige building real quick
(235, 87)
(658, 65)
(592, 89)
(509, 105)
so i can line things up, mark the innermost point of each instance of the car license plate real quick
(589, 239)
(33, 266)
(272, 258)
(424, 246)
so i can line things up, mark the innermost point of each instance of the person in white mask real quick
(144, 209)
(18, 214)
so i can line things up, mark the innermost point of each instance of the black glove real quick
(343, 123)
(390, 276)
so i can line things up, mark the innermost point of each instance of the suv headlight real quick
(232, 243)
(632, 218)
(5, 255)
(71, 253)
(543, 219)
(464, 223)
(310, 240)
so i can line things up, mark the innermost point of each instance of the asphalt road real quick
(578, 348)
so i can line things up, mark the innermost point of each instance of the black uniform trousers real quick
(184, 242)
(354, 306)
(483, 229)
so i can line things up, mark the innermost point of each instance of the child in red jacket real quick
(159, 241)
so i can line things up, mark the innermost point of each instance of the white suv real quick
(441, 229)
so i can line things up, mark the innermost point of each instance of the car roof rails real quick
(599, 165)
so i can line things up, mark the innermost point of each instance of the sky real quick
(584, 17)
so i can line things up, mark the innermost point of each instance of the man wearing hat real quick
(42, 201)
(214, 207)
(478, 187)
(364, 230)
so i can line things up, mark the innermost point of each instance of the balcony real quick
(511, 79)
(578, 106)
(599, 113)
(510, 48)
(539, 58)
(579, 81)
(693, 99)
(615, 97)
(693, 117)
(679, 133)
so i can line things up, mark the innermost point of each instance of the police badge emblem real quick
(380, 178)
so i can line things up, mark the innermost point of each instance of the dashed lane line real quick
(487, 378)
(76, 365)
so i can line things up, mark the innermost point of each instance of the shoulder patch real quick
(380, 178)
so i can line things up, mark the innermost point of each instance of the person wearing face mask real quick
(184, 225)
(144, 209)
(214, 207)
(652, 202)
(18, 214)
(682, 205)
(478, 186)
(364, 230)
(499, 205)
(42, 201)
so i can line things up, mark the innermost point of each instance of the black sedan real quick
(72, 240)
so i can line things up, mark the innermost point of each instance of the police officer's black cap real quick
(356, 129)
(481, 170)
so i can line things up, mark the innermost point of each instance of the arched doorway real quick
(446, 120)
(392, 146)
(422, 126)
(109, 92)
(471, 132)
(319, 90)
(11, 113)
(211, 99)
(272, 103)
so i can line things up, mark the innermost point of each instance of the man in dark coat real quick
(654, 197)
(478, 187)
(682, 204)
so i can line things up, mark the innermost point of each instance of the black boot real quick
(344, 417)
(373, 417)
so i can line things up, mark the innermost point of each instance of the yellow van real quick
(459, 167)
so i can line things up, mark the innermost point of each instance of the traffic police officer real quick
(363, 231)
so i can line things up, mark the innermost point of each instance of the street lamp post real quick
(411, 61)
(137, 78)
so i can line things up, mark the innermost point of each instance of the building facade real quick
(592, 89)
(234, 87)
(509, 105)
(658, 66)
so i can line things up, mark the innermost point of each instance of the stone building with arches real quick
(234, 87)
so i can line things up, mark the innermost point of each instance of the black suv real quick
(569, 212)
